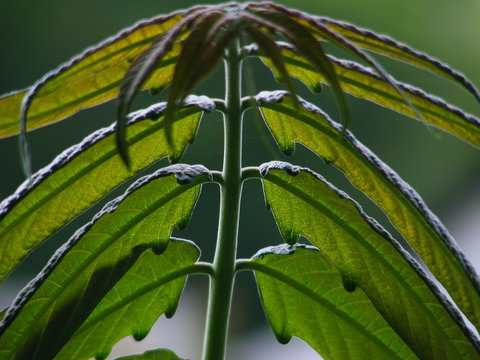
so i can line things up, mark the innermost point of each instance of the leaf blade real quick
(157, 354)
(63, 189)
(363, 83)
(404, 207)
(96, 257)
(367, 257)
(387, 46)
(303, 295)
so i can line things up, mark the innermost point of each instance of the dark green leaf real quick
(63, 190)
(271, 50)
(303, 295)
(55, 304)
(158, 354)
(367, 257)
(408, 213)
(190, 66)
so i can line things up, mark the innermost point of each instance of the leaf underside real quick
(404, 207)
(367, 257)
(303, 295)
(109, 257)
(63, 189)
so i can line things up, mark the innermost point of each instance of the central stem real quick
(218, 313)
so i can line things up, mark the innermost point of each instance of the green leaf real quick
(59, 300)
(158, 354)
(63, 189)
(404, 207)
(365, 84)
(304, 204)
(10, 105)
(385, 45)
(2, 313)
(303, 295)
(92, 77)
(150, 288)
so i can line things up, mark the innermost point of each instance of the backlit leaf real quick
(365, 84)
(304, 204)
(151, 287)
(406, 210)
(85, 173)
(69, 292)
(385, 45)
(303, 295)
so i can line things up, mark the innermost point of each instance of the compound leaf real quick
(406, 210)
(303, 295)
(367, 257)
(86, 172)
(97, 260)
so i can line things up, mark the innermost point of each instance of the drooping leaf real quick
(86, 172)
(303, 295)
(141, 69)
(202, 51)
(404, 207)
(158, 354)
(385, 45)
(59, 300)
(308, 47)
(270, 49)
(363, 83)
(367, 257)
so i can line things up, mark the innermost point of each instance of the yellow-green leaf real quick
(407, 212)
(91, 78)
(365, 84)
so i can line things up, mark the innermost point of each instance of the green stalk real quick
(221, 286)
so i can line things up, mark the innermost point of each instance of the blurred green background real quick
(36, 37)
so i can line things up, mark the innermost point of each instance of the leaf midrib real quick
(256, 266)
